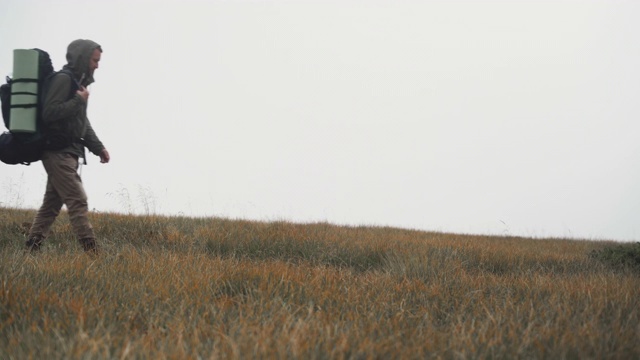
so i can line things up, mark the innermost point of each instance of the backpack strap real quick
(23, 80)
(75, 85)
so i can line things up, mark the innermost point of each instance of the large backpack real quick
(24, 146)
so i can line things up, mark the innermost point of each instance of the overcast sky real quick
(484, 117)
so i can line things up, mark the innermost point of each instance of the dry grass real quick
(184, 288)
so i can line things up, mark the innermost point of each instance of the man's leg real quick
(63, 175)
(46, 215)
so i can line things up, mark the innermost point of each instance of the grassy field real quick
(187, 288)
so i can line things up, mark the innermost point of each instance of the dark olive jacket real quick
(66, 111)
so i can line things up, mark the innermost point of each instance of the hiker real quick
(68, 132)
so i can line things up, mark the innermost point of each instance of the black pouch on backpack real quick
(16, 150)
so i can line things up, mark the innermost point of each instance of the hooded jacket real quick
(65, 112)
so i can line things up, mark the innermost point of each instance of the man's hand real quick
(84, 93)
(104, 156)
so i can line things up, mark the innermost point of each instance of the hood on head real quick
(79, 54)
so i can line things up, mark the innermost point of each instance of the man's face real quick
(95, 59)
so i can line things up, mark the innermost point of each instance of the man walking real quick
(68, 132)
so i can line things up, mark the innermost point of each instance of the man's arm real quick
(57, 104)
(93, 143)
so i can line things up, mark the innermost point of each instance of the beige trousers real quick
(64, 186)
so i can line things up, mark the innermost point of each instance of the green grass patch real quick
(619, 257)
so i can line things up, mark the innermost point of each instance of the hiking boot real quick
(89, 246)
(34, 243)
